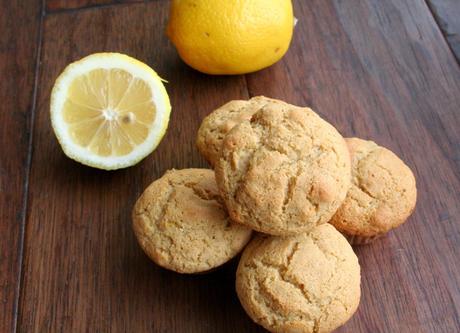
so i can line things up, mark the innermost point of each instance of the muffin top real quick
(181, 223)
(284, 171)
(304, 283)
(383, 191)
(219, 122)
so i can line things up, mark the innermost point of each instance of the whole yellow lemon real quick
(231, 36)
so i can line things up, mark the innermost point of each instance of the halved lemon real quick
(109, 110)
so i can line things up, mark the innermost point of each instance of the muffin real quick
(304, 283)
(284, 171)
(382, 195)
(219, 122)
(181, 223)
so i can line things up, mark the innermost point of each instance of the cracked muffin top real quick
(219, 122)
(383, 191)
(304, 283)
(181, 223)
(284, 171)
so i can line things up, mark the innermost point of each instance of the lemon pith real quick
(109, 110)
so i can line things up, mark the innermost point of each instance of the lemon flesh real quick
(109, 110)
(231, 36)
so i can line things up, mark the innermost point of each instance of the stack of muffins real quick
(283, 172)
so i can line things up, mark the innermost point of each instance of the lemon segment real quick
(109, 110)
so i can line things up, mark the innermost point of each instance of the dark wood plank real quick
(447, 15)
(381, 70)
(84, 271)
(53, 5)
(376, 69)
(19, 24)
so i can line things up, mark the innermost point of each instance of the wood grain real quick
(447, 15)
(375, 69)
(54, 5)
(381, 70)
(19, 25)
(83, 268)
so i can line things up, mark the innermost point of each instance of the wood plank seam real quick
(22, 227)
(438, 22)
(248, 91)
(96, 6)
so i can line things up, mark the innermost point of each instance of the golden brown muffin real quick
(382, 195)
(283, 172)
(304, 283)
(181, 223)
(219, 122)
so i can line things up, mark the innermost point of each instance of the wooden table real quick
(69, 262)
